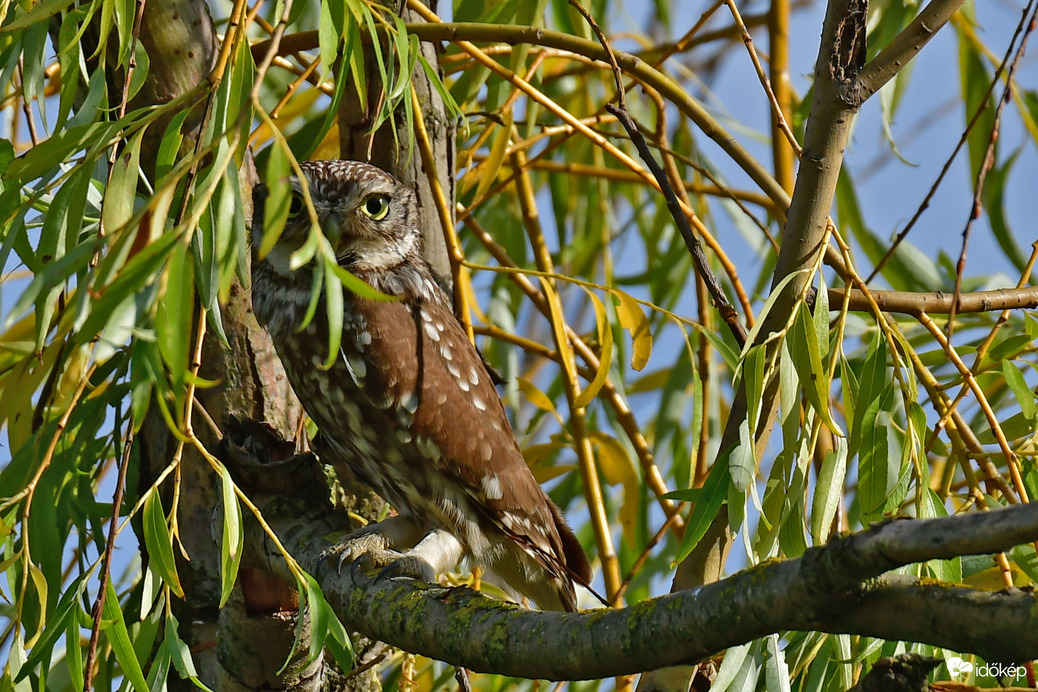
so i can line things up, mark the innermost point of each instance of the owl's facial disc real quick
(372, 226)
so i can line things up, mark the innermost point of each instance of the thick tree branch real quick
(903, 48)
(845, 586)
(938, 302)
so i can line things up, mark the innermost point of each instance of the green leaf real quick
(879, 462)
(279, 196)
(1010, 347)
(330, 30)
(6, 155)
(233, 537)
(730, 355)
(908, 269)
(753, 380)
(776, 672)
(41, 12)
(813, 373)
(175, 314)
(74, 653)
(57, 147)
(58, 234)
(158, 670)
(792, 530)
(945, 570)
(335, 302)
(318, 618)
(179, 653)
(821, 317)
(64, 613)
(828, 491)
(115, 629)
(708, 501)
(169, 147)
(974, 80)
(1024, 394)
(160, 542)
(740, 668)
(121, 192)
(55, 274)
(994, 199)
(743, 461)
(133, 275)
(875, 376)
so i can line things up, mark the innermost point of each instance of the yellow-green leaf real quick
(618, 469)
(492, 165)
(543, 474)
(634, 321)
(115, 628)
(40, 582)
(558, 327)
(538, 398)
(118, 202)
(605, 338)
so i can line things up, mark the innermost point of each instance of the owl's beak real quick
(332, 229)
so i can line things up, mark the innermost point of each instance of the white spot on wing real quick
(492, 487)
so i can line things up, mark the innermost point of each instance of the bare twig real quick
(989, 153)
(106, 567)
(674, 205)
(776, 109)
(699, 258)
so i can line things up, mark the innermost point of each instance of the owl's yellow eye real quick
(376, 207)
(296, 205)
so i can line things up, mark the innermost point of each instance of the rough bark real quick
(235, 649)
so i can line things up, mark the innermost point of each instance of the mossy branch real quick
(845, 586)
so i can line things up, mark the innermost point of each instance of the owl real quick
(408, 404)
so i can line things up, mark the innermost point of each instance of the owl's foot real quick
(372, 545)
(434, 554)
(382, 541)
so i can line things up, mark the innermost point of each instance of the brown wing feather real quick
(459, 412)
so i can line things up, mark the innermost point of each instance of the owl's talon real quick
(408, 567)
(364, 543)
(357, 565)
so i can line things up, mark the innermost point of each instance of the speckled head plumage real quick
(407, 403)
(368, 216)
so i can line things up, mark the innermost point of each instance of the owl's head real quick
(368, 216)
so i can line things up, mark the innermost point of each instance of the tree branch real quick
(631, 64)
(843, 587)
(938, 302)
(882, 68)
